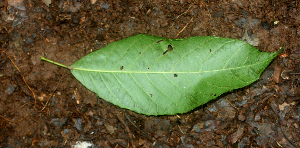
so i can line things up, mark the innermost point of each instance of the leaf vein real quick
(108, 57)
(124, 54)
(140, 55)
(190, 53)
(162, 92)
(233, 55)
(120, 104)
(214, 53)
(139, 105)
(146, 93)
(178, 88)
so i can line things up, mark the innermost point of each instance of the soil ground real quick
(52, 109)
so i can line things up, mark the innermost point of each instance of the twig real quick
(184, 27)
(181, 130)
(184, 12)
(52, 94)
(141, 131)
(231, 104)
(278, 125)
(286, 136)
(126, 127)
(33, 94)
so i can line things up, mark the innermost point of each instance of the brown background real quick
(264, 114)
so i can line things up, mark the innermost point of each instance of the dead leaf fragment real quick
(19, 4)
(93, 1)
(282, 106)
(233, 138)
(276, 74)
(110, 128)
(47, 2)
(249, 40)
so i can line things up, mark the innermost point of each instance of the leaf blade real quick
(140, 73)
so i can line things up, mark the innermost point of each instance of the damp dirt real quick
(52, 109)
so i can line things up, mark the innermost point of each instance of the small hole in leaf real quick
(121, 68)
(170, 48)
(175, 75)
(148, 68)
(215, 94)
(159, 41)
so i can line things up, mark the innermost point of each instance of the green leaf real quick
(157, 76)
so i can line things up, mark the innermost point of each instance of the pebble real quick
(110, 128)
(59, 121)
(241, 117)
(66, 131)
(257, 117)
(78, 124)
(197, 127)
(10, 89)
(210, 125)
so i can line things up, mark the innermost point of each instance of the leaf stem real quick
(62, 65)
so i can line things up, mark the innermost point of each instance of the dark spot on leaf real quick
(139, 52)
(121, 68)
(159, 41)
(170, 48)
(175, 75)
(148, 68)
(151, 95)
(209, 50)
(213, 94)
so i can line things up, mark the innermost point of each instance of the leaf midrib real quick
(165, 72)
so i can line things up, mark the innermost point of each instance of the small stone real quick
(59, 121)
(165, 124)
(242, 23)
(28, 40)
(66, 131)
(197, 127)
(159, 133)
(210, 125)
(242, 117)
(78, 124)
(104, 5)
(257, 117)
(10, 89)
(148, 125)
